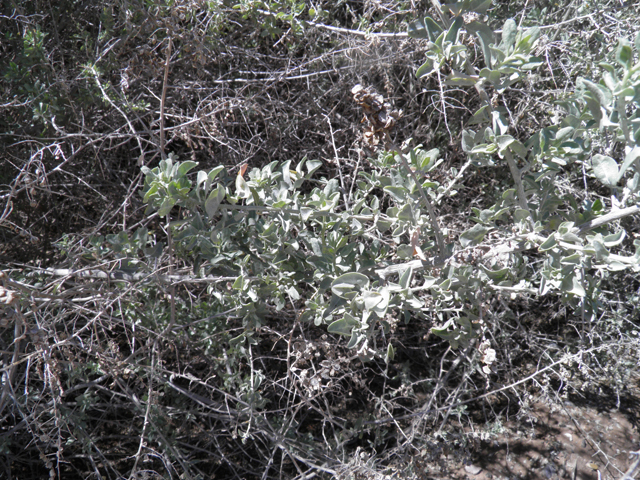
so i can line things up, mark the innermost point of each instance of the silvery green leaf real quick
(600, 93)
(405, 278)
(454, 29)
(242, 189)
(312, 166)
(624, 53)
(485, 37)
(461, 79)
(473, 236)
(404, 252)
(572, 284)
(416, 29)
(427, 28)
(601, 251)
(380, 309)
(425, 69)
(574, 259)
(615, 239)
(286, 173)
(185, 167)
(565, 133)
(293, 293)
(429, 282)
(214, 172)
(371, 299)
(356, 338)
(548, 244)
(305, 213)
(348, 282)
(630, 157)
(344, 326)
(605, 169)
(616, 266)
(509, 31)
(237, 340)
(390, 354)
(496, 275)
(406, 213)
(633, 183)
(213, 201)
(166, 206)
(528, 39)
(398, 193)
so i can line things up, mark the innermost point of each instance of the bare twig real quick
(516, 174)
(564, 359)
(628, 475)
(337, 159)
(118, 275)
(164, 97)
(608, 218)
(453, 182)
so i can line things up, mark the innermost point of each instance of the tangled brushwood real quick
(214, 267)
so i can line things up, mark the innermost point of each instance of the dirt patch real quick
(549, 443)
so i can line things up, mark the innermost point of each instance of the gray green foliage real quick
(261, 293)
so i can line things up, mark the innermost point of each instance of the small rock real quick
(472, 469)
(549, 471)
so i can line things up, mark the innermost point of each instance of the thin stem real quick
(453, 182)
(172, 288)
(517, 178)
(609, 217)
(622, 112)
(164, 97)
(335, 151)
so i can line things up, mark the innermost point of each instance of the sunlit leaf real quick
(548, 244)
(214, 200)
(605, 169)
(185, 167)
(496, 275)
(166, 206)
(425, 69)
(344, 326)
(391, 353)
(427, 28)
(615, 239)
(214, 172)
(461, 79)
(349, 282)
(509, 30)
(574, 259)
(454, 29)
(600, 93)
(405, 278)
(398, 193)
(242, 189)
(238, 284)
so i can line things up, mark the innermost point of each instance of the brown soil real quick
(550, 443)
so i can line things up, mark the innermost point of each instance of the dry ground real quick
(566, 441)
